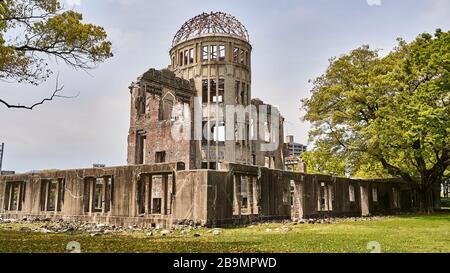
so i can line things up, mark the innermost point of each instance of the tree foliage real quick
(34, 31)
(385, 115)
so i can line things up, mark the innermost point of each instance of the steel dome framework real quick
(213, 23)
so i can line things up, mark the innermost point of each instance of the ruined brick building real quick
(210, 61)
(192, 160)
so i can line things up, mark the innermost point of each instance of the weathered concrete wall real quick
(220, 198)
(191, 197)
(123, 201)
(166, 194)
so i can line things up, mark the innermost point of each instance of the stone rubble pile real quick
(47, 226)
(331, 220)
(187, 228)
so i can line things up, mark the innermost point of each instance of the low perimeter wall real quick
(166, 194)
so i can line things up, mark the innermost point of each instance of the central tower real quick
(213, 51)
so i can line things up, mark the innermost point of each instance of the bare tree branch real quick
(55, 94)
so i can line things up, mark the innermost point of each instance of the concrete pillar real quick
(298, 200)
(251, 194)
(364, 201)
(237, 194)
(330, 196)
(150, 195)
(164, 205)
(103, 195)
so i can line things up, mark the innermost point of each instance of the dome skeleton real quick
(211, 24)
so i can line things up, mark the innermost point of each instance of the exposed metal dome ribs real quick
(209, 24)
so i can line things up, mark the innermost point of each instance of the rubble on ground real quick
(46, 225)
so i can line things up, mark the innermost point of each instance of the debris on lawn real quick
(46, 225)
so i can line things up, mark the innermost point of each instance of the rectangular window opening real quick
(221, 53)
(160, 157)
(98, 194)
(191, 56)
(180, 59)
(219, 97)
(205, 53)
(236, 55)
(156, 205)
(351, 192)
(205, 91)
(213, 90)
(213, 53)
(375, 194)
(219, 132)
(14, 196)
(186, 57)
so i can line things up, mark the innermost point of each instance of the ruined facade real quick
(167, 194)
(177, 176)
(211, 67)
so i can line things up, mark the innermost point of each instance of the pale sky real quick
(292, 42)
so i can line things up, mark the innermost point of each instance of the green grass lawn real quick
(395, 234)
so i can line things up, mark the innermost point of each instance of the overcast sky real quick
(292, 42)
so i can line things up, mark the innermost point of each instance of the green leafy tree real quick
(387, 115)
(34, 31)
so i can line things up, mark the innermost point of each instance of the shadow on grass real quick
(29, 242)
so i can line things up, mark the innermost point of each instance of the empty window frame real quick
(237, 86)
(325, 196)
(221, 53)
(153, 193)
(213, 90)
(160, 157)
(191, 56)
(267, 162)
(221, 91)
(219, 132)
(141, 194)
(180, 59)
(141, 140)
(351, 193)
(186, 57)
(52, 194)
(375, 194)
(322, 197)
(205, 132)
(267, 134)
(396, 197)
(242, 56)
(205, 91)
(243, 95)
(165, 109)
(161, 190)
(244, 192)
(205, 53)
(245, 195)
(141, 105)
(156, 205)
(213, 55)
(98, 194)
(236, 55)
(14, 196)
(247, 92)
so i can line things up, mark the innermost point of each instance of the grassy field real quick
(395, 234)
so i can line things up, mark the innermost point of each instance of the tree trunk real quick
(429, 196)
